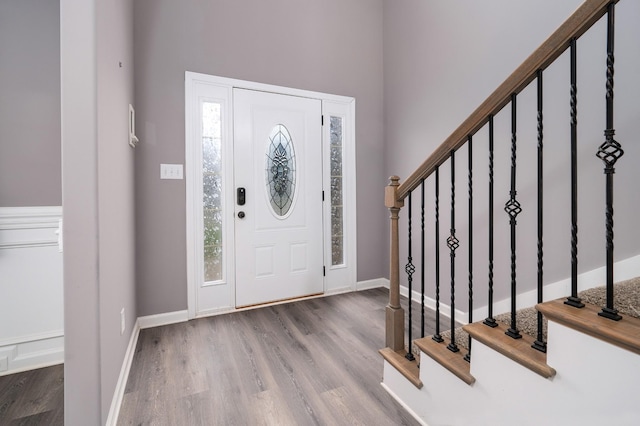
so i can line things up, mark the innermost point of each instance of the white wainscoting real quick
(31, 288)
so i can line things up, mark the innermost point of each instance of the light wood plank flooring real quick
(306, 362)
(311, 362)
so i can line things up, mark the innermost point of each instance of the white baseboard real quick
(31, 352)
(118, 395)
(163, 319)
(374, 283)
(445, 310)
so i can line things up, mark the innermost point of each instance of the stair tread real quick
(452, 361)
(624, 333)
(519, 350)
(409, 369)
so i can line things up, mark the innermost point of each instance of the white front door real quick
(278, 197)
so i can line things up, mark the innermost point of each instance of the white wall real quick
(31, 314)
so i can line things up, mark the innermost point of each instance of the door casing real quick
(337, 279)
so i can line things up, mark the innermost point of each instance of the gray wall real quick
(330, 46)
(98, 201)
(29, 103)
(441, 60)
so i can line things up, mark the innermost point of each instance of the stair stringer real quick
(596, 383)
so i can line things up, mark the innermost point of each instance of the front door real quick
(278, 198)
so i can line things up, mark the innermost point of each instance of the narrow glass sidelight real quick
(337, 209)
(212, 190)
(280, 171)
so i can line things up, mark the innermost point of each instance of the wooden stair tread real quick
(408, 369)
(624, 333)
(452, 361)
(519, 350)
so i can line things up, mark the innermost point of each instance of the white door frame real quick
(341, 278)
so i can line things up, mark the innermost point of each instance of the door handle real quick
(241, 215)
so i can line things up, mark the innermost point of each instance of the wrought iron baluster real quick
(453, 244)
(410, 269)
(609, 152)
(513, 208)
(422, 254)
(490, 321)
(540, 344)
(467, 357)
(574, 300)
(436, 337)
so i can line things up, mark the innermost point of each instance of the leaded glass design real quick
(212, 190)
(280, 170)
(337, 195)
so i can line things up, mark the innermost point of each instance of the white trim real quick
(167, 318)
(36, 219)
(118, 394)
(336, 276)
(445, 310)
(374, 283)
(252, 85)
(30, 217)
(32, 338)
(225, 292)
(31, 352)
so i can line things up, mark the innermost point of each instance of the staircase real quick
(574, 358)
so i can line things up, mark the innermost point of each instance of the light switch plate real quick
(171, 171)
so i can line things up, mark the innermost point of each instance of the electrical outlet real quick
(122, 322)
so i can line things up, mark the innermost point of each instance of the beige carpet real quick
(626, 297)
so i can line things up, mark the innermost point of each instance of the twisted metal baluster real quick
(512, 207)
(574, 300)
(490, 321)
(467, 357)
(540, 344)
(609, 152)
(410, 269)
(422, 259)
(436, 337)
(453, 243)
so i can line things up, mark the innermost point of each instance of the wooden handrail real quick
(577, 24)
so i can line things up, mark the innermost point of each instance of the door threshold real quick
(279, 301)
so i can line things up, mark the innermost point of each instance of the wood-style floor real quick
(33, 398)
(301, 363)
(311, 362)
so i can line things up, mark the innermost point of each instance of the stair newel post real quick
(540, 344)
(453, 244)
(574, 300)
(512, 208)
(490, 321)
(394, 312)
(609, 152)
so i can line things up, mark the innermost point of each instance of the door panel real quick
(278, 161)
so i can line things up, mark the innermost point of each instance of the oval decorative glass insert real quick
(280, 170)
